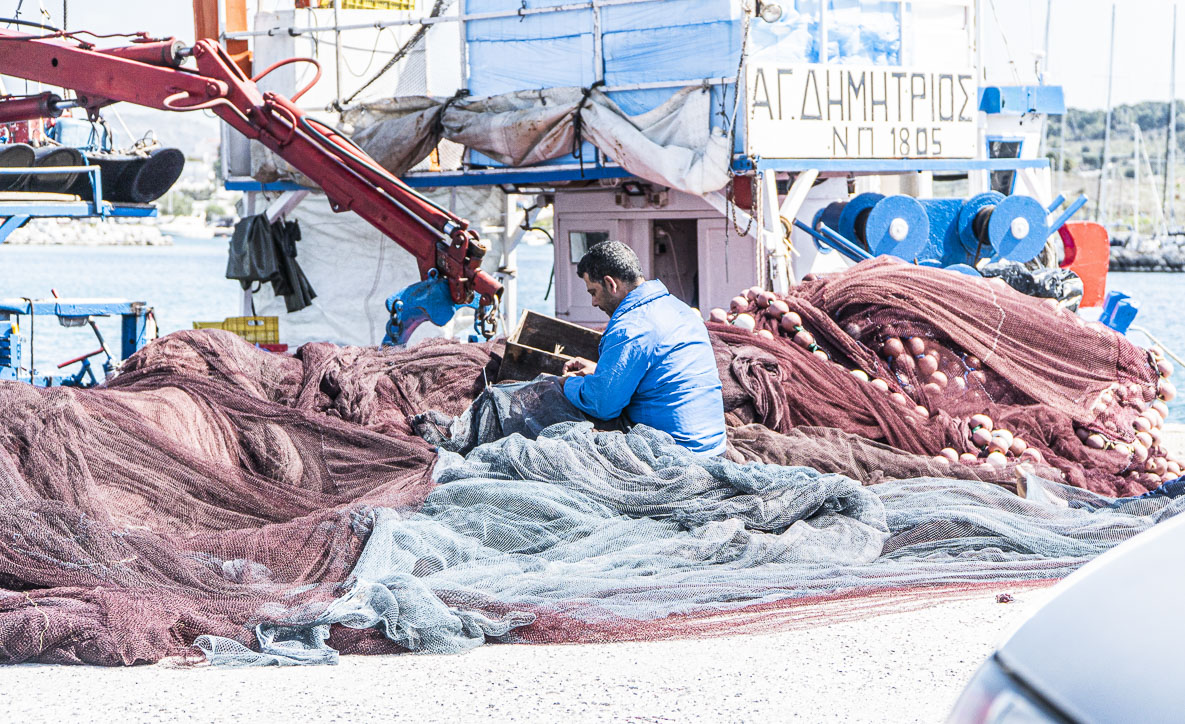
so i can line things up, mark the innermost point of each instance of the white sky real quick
(1079, 41)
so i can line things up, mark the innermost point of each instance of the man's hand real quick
(579, 367)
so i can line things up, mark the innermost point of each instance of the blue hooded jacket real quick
(656, 364)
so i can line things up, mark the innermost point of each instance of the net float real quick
(753, 292)
(1082, 433)
(1160, 408)
(949, 453)
(1018, 447)
(745, 320)
(804, 338)
(777, 308)
(972, 362)
(932, 388)
(763, 299)
(969, 458)
(917, 346)
(1096, 441)
(1165, 368)
(978, 377)
(821, 355)
(1142, 424)
(1166, 390)
(1174, 468)
(927, 365)
(880, 384)
(980, 420)
(1153, 417)
(940, 460)
(789, 323)
(860, 375)
(1139, 452)
(765, 333)
(904, 363)
(939, 378)
(1034, 455)
(894, 347)
(718, 315)
(853, 330)
(738, 305)
(1167, 478)
(980, 437)
(997, 459)
(1003, 438)
(1144, 439)
(959, 384)
(900, 399)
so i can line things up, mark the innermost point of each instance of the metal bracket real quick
(429, 301)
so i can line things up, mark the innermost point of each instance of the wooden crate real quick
(542, 344)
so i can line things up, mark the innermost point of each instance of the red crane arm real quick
(148, 73)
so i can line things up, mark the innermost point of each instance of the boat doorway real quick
(675, 257)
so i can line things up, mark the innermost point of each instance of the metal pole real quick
(1045, 72)
(1061, 156)
(1136, 200)
(1170, 163)
(1100, 209)
(337, 46)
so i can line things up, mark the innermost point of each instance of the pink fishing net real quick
(215, 491)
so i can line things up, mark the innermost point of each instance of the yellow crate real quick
(257, 330)
(360, 4)
(378, 4)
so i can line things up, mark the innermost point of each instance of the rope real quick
(578, 126)
(437, 9)
(1158, 343)
(438, 124)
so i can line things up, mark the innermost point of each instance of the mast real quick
(1136, 201)
(1100, 208)
(1170, 162)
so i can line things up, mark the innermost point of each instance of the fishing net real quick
(277, 509)
(583, 535)
(909, 356)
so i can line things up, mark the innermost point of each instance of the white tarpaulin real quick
(673, 145)
(354, 268)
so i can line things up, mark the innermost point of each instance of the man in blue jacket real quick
(655, 361)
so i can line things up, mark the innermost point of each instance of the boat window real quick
(579, 242)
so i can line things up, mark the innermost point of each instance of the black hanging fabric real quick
(261, 251)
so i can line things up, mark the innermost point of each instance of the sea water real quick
(186, 283)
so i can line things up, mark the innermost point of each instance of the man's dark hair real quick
(610, 259)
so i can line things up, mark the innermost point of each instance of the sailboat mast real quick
(1100, 209)
(1170, 162)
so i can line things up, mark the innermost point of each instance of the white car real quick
(1108, 647)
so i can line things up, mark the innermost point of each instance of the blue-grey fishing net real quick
(582, 535)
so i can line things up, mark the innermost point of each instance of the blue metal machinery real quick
(951, 233)
(134, 335)
(14, 214)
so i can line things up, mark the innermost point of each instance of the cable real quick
(437, 9)
(29, 23)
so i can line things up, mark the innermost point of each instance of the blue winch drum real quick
(972, 244)
(897, 226)
(1018, 228)
(828, 215)
(854, 217)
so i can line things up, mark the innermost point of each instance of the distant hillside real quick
(195, 133)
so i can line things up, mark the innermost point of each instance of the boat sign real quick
(831, 111)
